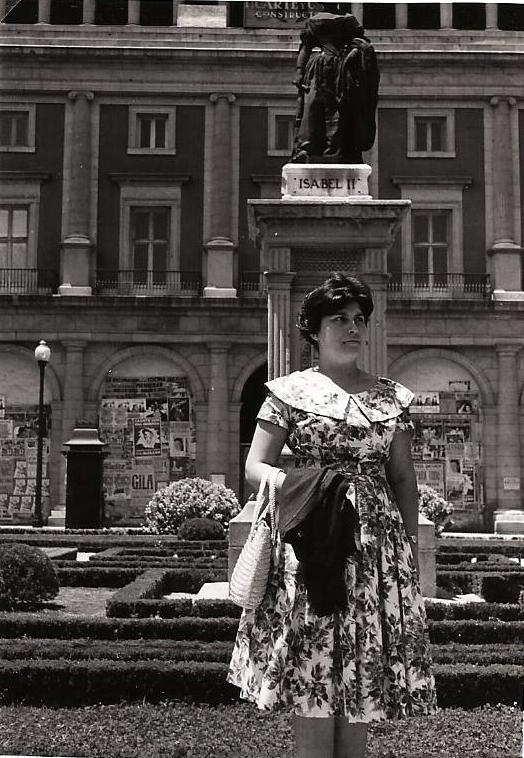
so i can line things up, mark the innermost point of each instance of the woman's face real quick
(342, 333)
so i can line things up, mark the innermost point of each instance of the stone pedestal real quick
(427, 557)
(304, 239)
(75, 264)
(506, 267)
(239, 528)
(219, 268)
(329, 181)
(509, 522)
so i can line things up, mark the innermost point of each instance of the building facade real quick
(132, 135)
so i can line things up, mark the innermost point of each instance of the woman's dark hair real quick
(335, 293)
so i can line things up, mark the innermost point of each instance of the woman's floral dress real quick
(370, 662)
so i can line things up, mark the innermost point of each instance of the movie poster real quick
(425, 402)
(147, 438)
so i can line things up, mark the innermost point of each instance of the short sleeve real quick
(404, 422)
(274, 411)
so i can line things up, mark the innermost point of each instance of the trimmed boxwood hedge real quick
(515, 547)
(493, 587)
(99, 576)
(72, 683)
(483, 655)
(130, 650)
(483, 566)
(60, 627)
(480, 611)
(476, 632)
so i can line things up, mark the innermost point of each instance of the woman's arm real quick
(266, 446)
(400, 474)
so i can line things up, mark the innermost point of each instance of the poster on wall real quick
(147, 438)
(425, 402)
(431, 474)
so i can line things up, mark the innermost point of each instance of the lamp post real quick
(42, 356)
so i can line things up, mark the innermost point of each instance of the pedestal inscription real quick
(325, 181)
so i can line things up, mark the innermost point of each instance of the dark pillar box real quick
(84, 494)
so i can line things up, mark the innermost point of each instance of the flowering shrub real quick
(201, 529)
(189, 498)
(434, 507)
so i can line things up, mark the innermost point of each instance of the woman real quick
(369, 662)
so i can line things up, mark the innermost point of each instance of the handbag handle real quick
(268, 480)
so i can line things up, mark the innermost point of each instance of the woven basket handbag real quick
(249, 578)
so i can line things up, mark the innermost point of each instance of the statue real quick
(338, 91)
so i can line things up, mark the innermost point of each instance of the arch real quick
(406, 360)
(256, 362)
(97, 381)
(51, 377)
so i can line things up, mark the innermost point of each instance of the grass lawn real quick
(78, 601)
(173, 730)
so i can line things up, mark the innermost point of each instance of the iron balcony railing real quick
(28, 281)
(438, 286)
(147, 282)
(251, 283)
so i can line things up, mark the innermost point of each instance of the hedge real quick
(479, 611)
(476, 632)
(464, 557)
(99, 576)
(515, 547)
(74, 683)
(493, 587)
(130, 650)
(483, 655)
(482, 566)
(14, 625)
(94, 540)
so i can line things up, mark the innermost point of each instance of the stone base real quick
(509, 522)
(220, 292)
(506, 296)
(69, 289)
(202, 16)
(325, 181)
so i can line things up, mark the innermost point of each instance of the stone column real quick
(218, 411)
(133, 12)
(278, 312)
(88, 12)
(401, 15)
(176, 3)
(357, 9)
(73, 399)
(76, 245)
(505, 253)
(3, 6)
(219, 248)
(492, 21)
(375, 359)
(200, 411)
(509, 492)
(44, 11)
(446, 15)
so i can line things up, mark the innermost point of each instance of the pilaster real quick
(505, 253)
(44, 11)
(401, 15)
(509, 492)
(446, 15)
(201, 413)
(218, 411)
(88, 12)
(133, 12)
(492, 21)
(278, 278)
(76, 245)
(73, 405)
(219, 248)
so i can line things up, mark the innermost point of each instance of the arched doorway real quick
(253, 395)
(447, 411)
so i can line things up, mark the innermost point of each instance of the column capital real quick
(74, 345)
(214, 97)
(509, 351)
(279, 279)
(75, 94)
(219, 347)
(497, 100)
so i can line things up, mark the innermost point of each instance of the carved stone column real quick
(73, 406)
(88, 12)
(446, 15)
(133, 12)
(44, 11)
(509, 492)
(76, 244)
(278, 308)
(506, 255)
(374, 272)
(492, 21)
(401, 15)
(219, 248)
(218, 411)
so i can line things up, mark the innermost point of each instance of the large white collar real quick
(314, 392)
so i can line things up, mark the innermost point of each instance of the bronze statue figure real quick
(338, 91)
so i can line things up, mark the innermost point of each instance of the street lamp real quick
(42, 356)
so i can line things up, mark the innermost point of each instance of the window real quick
(14, 236)
(151, 244)
(17, 129)
(431, 134)
(281, 128)
(430, 239)
(152, 130)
